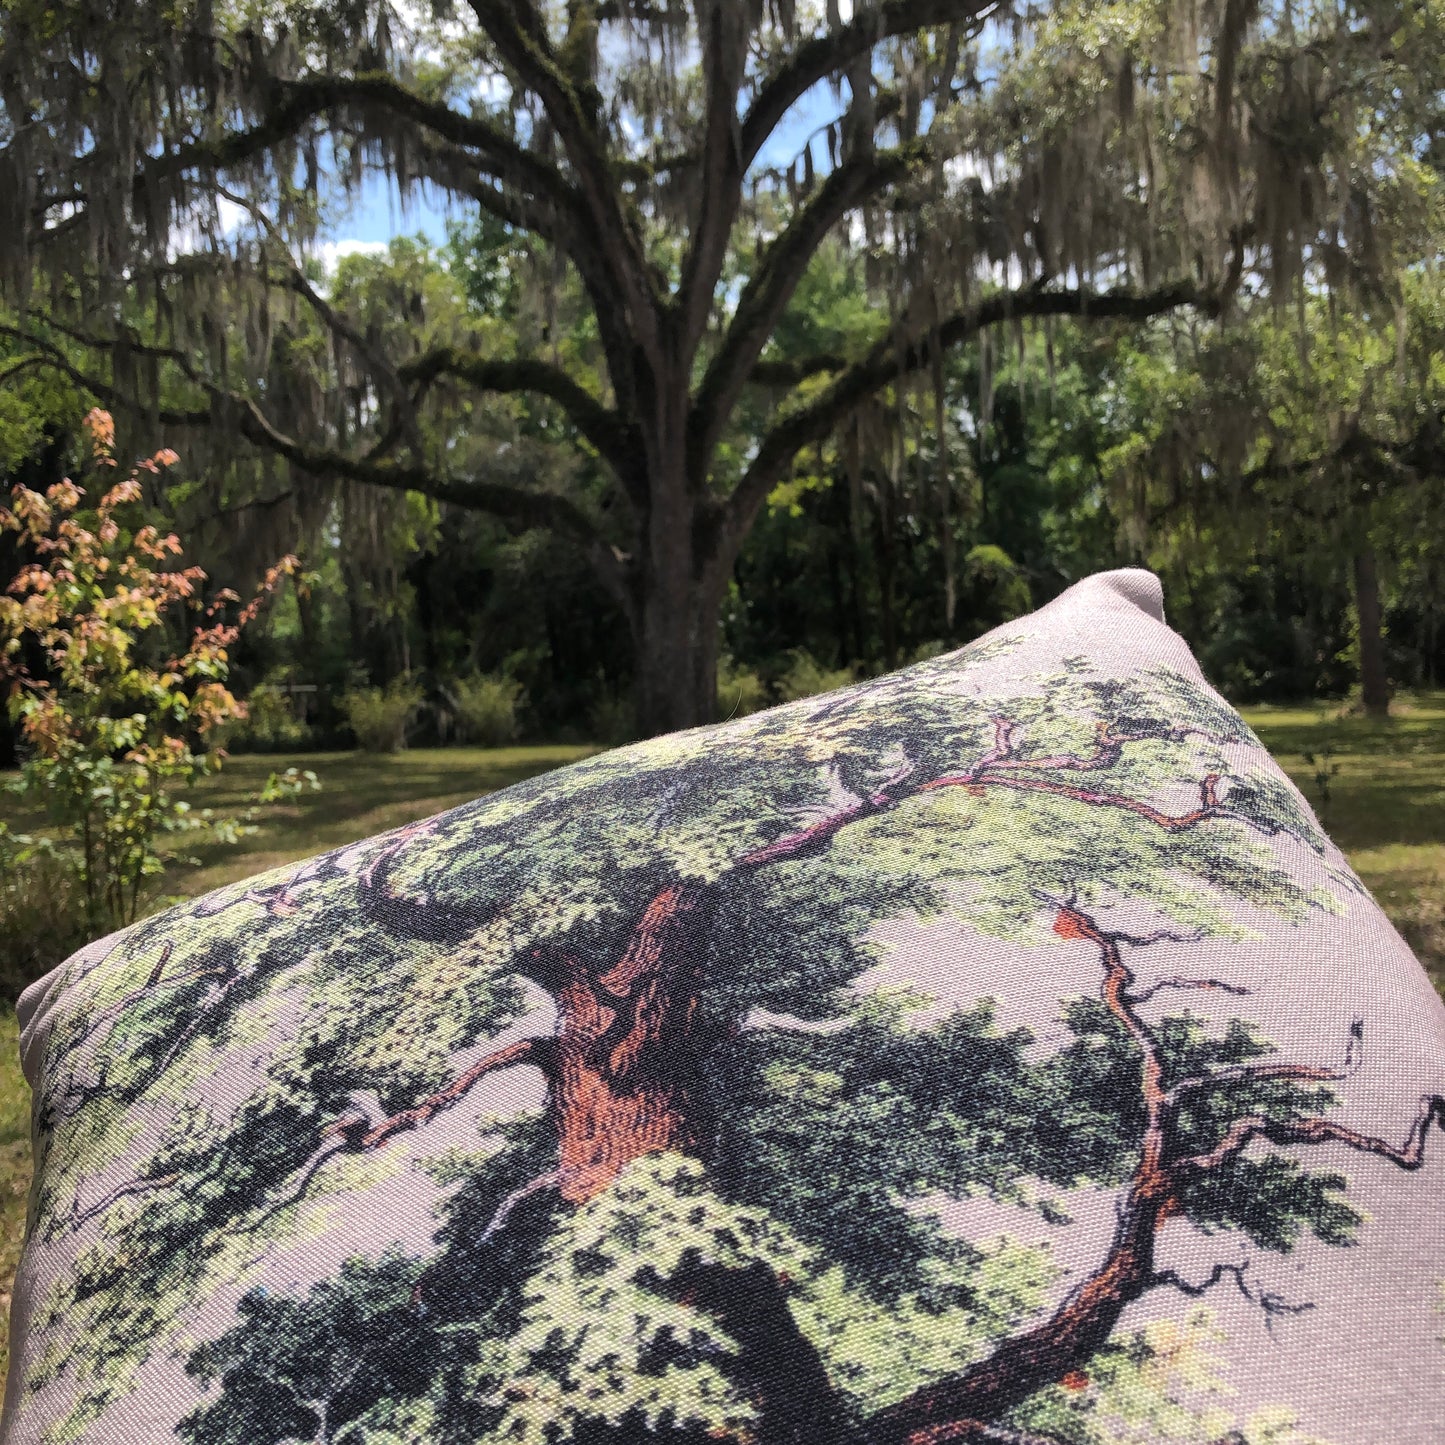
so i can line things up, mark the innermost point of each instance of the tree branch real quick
(950, 1409)
(80, 1216)
(772, 283)
(563, 224)
(521, 504)
(1172, 822)
(603, 427)
(528, 507)
(780, 374)
(103, 391)
(1408, 1155)
(890, 360)
(362, 1134)
(298, 101)
(1202, 984)
(724, 55)
(296, 280)
(517, 31)
(552, 1179)
(830, 53)
(1273, 1305)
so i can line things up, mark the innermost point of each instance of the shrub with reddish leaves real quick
(115, 721)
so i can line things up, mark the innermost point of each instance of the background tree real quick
(1109, 160)
(1312, 443)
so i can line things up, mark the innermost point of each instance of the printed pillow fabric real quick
(997, 1051)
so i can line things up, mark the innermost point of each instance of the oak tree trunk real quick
(680, 579)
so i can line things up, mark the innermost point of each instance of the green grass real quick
(1386, 809)
(14, 1166)
(1384, 806)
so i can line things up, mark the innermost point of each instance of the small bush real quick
(995, 587)
(43, 917)
(612, 720)
(807, 677)
(270, 724)
(485, 706)
(740, 690)
(381, 717)
(114, 725)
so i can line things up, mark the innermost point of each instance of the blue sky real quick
(378, 214)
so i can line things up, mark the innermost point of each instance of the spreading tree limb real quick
(362, 1133)
(831, 53)
(1041, 1356)
(771, 285)
(614, 439)
(896, 356)
(517, 30)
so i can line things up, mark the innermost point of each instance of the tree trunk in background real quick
(1374, 685)
(681, 576)
(840, 611)
(886, 619)
(677, 647)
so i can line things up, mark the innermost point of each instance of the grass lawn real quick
(1385, 808)
(1385, 804)
(361, 794)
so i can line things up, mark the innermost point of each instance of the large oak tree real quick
(678, 165)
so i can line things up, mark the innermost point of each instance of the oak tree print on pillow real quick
(635, 1104)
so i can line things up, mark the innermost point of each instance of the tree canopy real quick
(669, 173)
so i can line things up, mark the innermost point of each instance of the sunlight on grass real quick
(1379, 790)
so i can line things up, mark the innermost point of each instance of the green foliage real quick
(43, 918)
(485, 707)
(270, 724)
(611, 719)
(806, 677)
(1162, 1384)
(1002, 591)
(741, 691)
(303, 1369)
(381, 717)
(612, 1330)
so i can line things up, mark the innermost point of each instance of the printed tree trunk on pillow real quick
(716, 1204)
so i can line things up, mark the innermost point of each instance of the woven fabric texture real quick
(997, 1051)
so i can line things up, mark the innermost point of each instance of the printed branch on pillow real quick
(1169, 1173)
(618, 1086)
(626, 1068)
